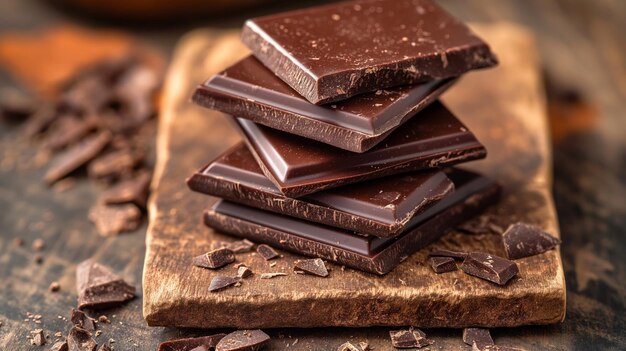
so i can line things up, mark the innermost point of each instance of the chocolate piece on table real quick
(249, 90)
(221, 282)
(448, 253)
(113, 165)
(78, 339)
(80, 319)
(479, 336)
(37, 337)
(215, 258)
(243, 340)
(76, 156)
(272, 275)
(267, 252)
(332, 52)
(442, 264)
(314, 266)
(298, 166)
(381, 207)
(523, 240)
(189, 344)
(490, 267)
(406, 339)
(59, 346)
(240, 246)
(133, 191)
(98, 287)
(244, 272)
(67, 130)
(114, 219)
(473, 194)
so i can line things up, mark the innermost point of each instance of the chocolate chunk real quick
(243, 340)
(38, 337)
(244, 272)
(477, 336)
(448, 253)
(215, 259)
(113, 166)
(272, 275)
(221, 282)
(133, 191)
(80, 319)
(79, 339)
(240, 246)
(191, 343)
(104, 319)
(332, 52)
(67, 130)
(76, 156)
(523, 240)
(313, 266)
(115, 219)
(490, 267)
(381, 207)
(98, 287)
(266, 252)
(442, 264)
(59, 346)
(249, 90)
(406, 339)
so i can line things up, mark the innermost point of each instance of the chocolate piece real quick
(243, 340)
(442, 264)
(221, 282)
(114, 219)
(523, 240)
(348, 346)
(76, 156)
(113, 166)
(313, 266)
(215, 259)
(240, 246)
(15, 105)
(364, 345)
(98, 287)
(448, 253)
(79, 339)
(365, 252)
(494, 348)
(266, 252)
(104, 319)
(244, 272)
(80, 319)
(191, 343)
(37, 337)
(298, 166)
(489, 267)
(129, 191)
(59, 346)
(54, 287)
(249, 90)
(67, 130)
(380, 207)
(477, 336)
(272, 275)
(406, 339)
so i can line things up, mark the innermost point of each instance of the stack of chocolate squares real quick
(347, 149)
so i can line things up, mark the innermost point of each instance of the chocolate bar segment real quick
(364, 252)
(299, 166)
(330, 53)
(380, 207)
(249, 90)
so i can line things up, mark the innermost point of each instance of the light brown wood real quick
(505, 107)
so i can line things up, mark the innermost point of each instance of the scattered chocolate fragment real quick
(448, 253)
(54, 287)
(113, 165)
(189, 344)
(313, 266)
(494, 348)
(243, 340)
(115, 219)
(40, 121)
(133, 191)
(477, 336)
(80, 319)
(104, 319)
(442, 264)
(405, 339)
(220, 282)
(272, 275)
(59, 346)
(39, 245)
(490, 267)
(38, 337)
(364, 345)
(244, 272)
(79, 339)
(76, 156)
(240, 246)
(67, 130)
(98, 287)
(267, 252)
(215, 259)
(523, 240)
(348, 346)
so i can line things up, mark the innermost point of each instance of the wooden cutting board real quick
(505, 108)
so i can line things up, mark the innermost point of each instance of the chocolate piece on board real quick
(79, 339)
(80, 319)
(489, 267)
(221, 282)
(240, 246)
(314, 266)
(523, 240)
(329, 53)
(249, 90)
(448, 253)
(479, 336)
(243, 340)
(266, 252)
(59, 346)
(215, 258)
(407, 339)
(189, 344)
(244, 272)
(98, 287)
(442, 264)
(76, 156)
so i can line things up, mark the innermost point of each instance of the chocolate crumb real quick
(222, 282)
(39, 245)
(104, 319)
(442, 264)
(524, 240)
(413, 337)
(54, 287)
(272, 275)
(313, 266)
(215, 259)
(133, 191)
(267, 252)
(243, 340)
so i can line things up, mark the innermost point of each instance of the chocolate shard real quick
(348, 346)
(523, 240)
(99, 288)
(272, 275)
(80, 319)
(240, 246)
(115, 219)
(244, 272)
(442, 264)
(215, 259)
(113, 165)
(490, 267)
(221, 282)
(477, 336)
(76, 156)
(267, 252)
(79, 339)
(38, 337)
(243, 340)
(313, 266)
(67, 130)
(494, 348)
(133, 191)
(448, 253)
(406, 339)
(59, 346)
(190, 344)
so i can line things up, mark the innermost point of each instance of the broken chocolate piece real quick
(448, 253)
(240, 246)
(348, 346)
(243, 340)
(313, 266)
(59, 346)
(221, 282)
(115, 219)
(98, 287)
(215, 259)
(266, 252)
(244, 272)
(406, 339)
(67, 130)
(442, 264)
(129, 191)
(79, 339)
(189, 344)
(490, 267)
(523, 240)
(38, 337)
(272, 275)
(477, 336)
(80, 319)
(113, 165)
(76, 156)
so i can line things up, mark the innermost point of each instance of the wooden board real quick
(504, 107)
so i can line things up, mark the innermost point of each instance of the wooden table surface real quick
(582, 48)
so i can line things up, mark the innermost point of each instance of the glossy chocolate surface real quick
(380, 207)
(299, 166)
(249, 90)
(332, 52)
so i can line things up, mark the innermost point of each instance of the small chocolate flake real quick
(39, 245)
(243, 340)
(348, 346)
(80, 319)
(442, 264)
(104, 319)
(76, 156)
(111, 220)
(38, 337)
(240, 246)
(524, 240)
(448, 253)
(113, 165)
(244, 272)
(79, 339)
(215, 259)
(59, 346)
(272, 275)
(54, 287)
(313, 266)
(267, 252)
(98, 287)
(208, 342)
(222, 282)
(133, 191)
(413, 337)
(479, 336)
(490, 267)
